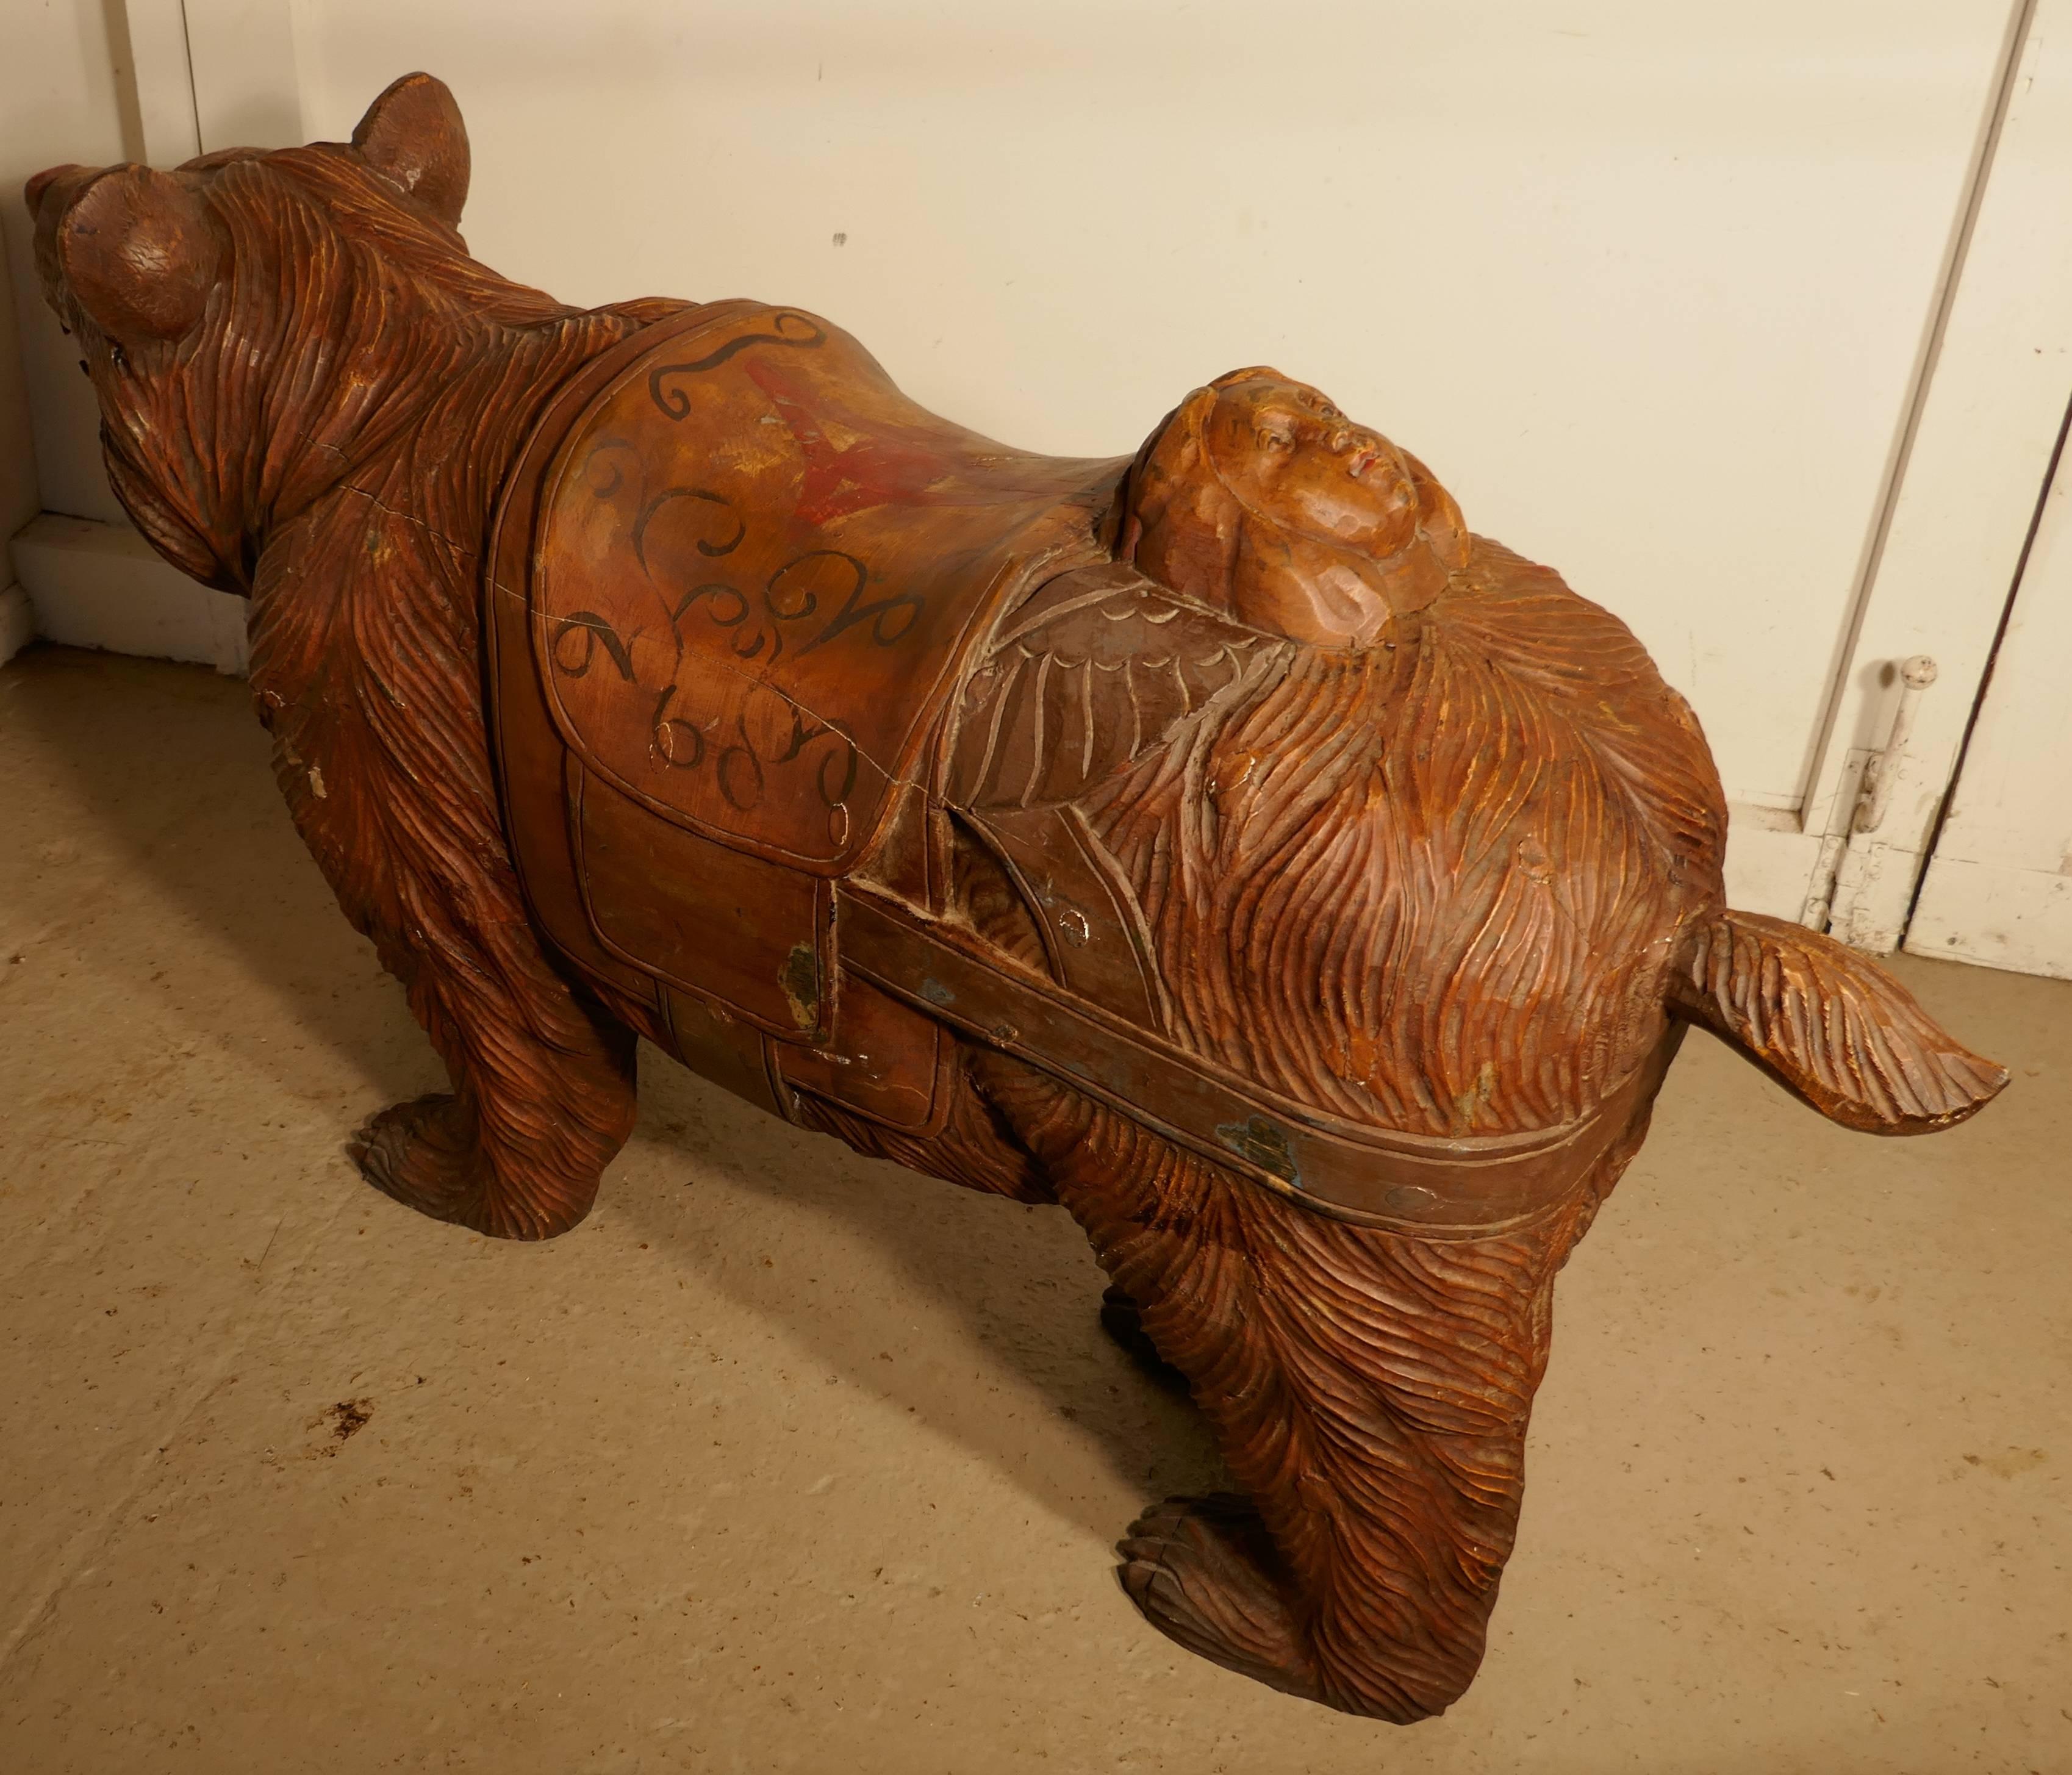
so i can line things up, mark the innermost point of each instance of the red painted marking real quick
(888, 464)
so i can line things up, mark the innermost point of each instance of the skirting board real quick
(2016, 919)
(18, 622)
(1768, 870)
(93, 585)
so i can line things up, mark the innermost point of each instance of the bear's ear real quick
(1834, 1027)
(414, 135)
(138, 249)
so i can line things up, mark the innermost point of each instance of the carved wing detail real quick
(1085, 677)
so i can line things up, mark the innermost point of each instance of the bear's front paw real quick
(1201, 1570)
(426, 1155)
(429, 1155)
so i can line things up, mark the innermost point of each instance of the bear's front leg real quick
(543, 1077)
(518, 1148)
(371, 688)
(543, 1081)
(1370, 1393)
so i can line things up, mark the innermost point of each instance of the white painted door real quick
(1666, 295)
(1999, 885)
(1981, 443)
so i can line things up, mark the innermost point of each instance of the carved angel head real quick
(1260, 498)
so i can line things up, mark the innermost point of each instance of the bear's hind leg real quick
(1369, 1392)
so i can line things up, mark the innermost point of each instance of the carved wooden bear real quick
(1222, 842)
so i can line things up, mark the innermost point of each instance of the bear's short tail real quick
(1831, 1024)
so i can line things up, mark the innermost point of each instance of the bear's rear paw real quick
(1201, 1570)
(426, 1154)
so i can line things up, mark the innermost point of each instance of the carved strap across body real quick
(738, 587)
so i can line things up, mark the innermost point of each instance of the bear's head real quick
(254, 324)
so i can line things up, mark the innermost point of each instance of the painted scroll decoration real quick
(729, 545)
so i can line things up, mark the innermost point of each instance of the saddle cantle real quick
(761, 628)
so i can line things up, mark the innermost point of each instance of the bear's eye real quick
(118, 357)
(1274, 438)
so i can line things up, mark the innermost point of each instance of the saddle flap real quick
(751, 935)
(758, 569)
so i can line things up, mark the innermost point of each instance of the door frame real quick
(1945, 545)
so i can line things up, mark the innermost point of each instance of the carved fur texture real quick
(363, 674)
(1435, 884)
(1370, 1394)
(330, 438)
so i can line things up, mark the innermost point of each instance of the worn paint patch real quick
(1470, 1104)
(1264, 1144)
(801, 982)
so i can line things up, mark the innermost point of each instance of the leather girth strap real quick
(1424, 1184)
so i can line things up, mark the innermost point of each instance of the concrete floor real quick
(786, 1461)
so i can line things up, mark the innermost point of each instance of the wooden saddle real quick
(766, 639)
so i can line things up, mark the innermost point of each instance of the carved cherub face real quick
(1260, 497)
(1293, 458)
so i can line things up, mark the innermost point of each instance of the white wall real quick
(20, 498)
(1649, 286)
(1646, 283)
(58, 102)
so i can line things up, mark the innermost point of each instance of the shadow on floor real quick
(177, 775)
(1020, 1282)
